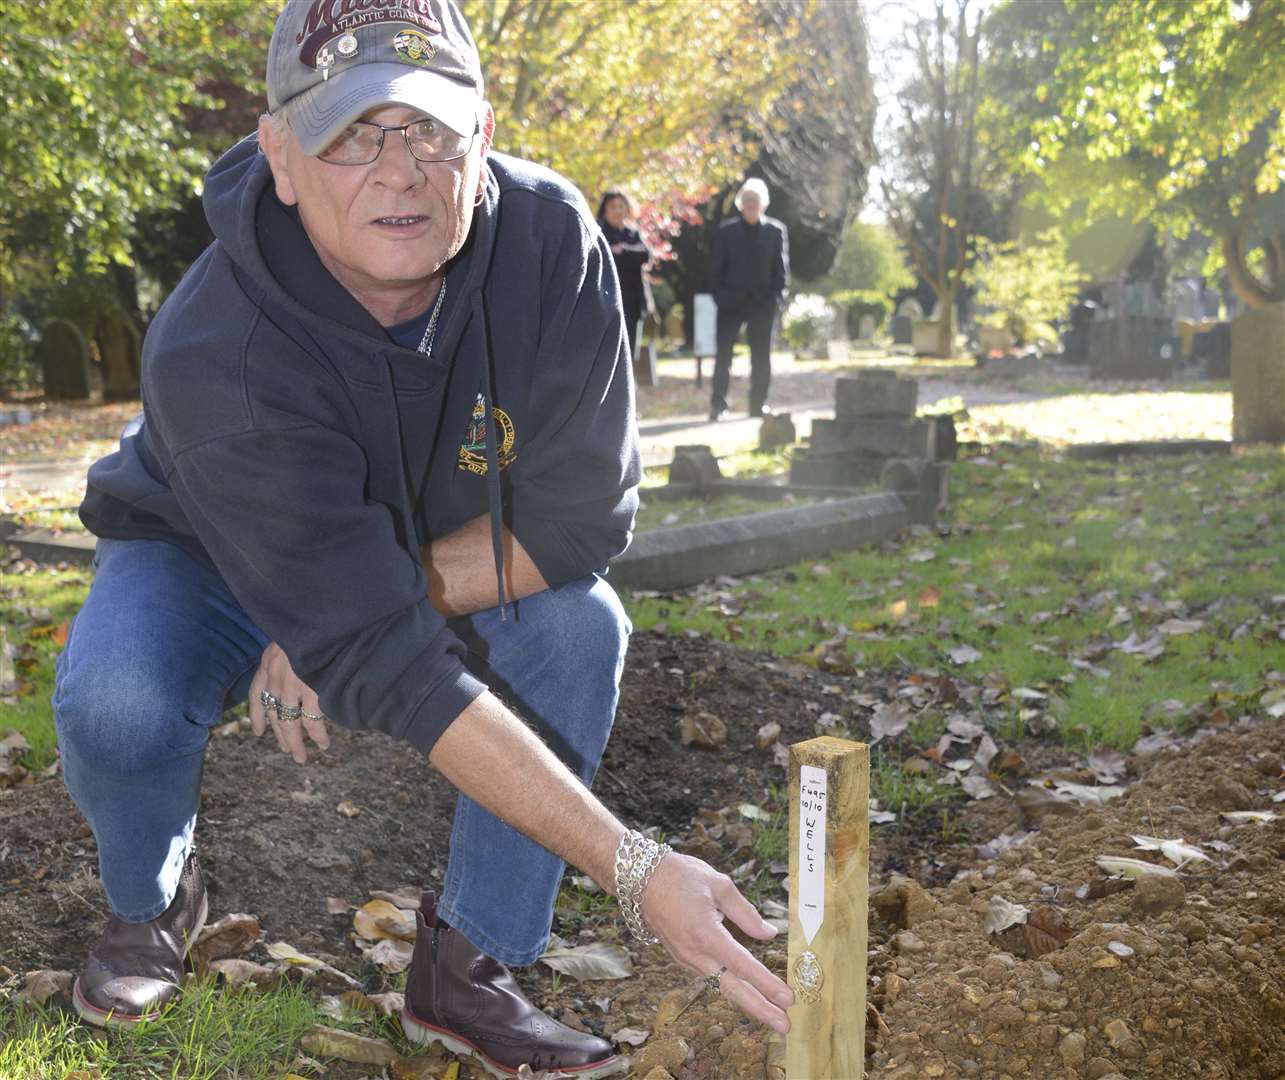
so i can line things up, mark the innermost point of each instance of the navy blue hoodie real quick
(293, 446)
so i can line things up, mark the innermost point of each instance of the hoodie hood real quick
(302, 454)
(267, 242)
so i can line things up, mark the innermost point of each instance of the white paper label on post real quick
(811, 849)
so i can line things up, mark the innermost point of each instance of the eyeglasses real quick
(428, 140)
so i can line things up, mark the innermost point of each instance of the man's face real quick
(386, 229)
(751, 207)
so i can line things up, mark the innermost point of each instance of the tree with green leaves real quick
(1024, 287)
(99, 103)
(94, 130)
(650, 92)
(868, 270)
(933, 171)
(1182, 101)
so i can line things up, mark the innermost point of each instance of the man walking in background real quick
(751, 274)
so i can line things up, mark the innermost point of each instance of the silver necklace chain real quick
(430, 331)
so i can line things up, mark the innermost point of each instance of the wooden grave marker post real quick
(829, 900)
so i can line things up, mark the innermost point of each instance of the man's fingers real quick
(740, 962)
(258, 719)
(294, 741)
(317, 732)
(747, 998)
(316, 729)
(742, 912)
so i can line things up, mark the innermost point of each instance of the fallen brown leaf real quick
(238, 972)
(40, 986)
(331, 1042)
(380, 919)
(230, 936)
(1045, 931)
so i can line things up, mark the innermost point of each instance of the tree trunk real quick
(946, 325)
(1249, 288)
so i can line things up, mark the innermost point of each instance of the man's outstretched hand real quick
(684, 904)
(276, 676)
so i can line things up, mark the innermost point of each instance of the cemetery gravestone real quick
(776, 430)
(645, 366)
(119, 348)
(694, 464)
(866, 330)
(924, 334)
(1258, 375)
(874, 422)
(1125, 347)
(64, 360)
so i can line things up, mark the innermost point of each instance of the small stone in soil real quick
(1153, 894)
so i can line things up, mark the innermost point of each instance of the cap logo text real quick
(327, 19)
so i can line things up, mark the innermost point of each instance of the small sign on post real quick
(829, 881)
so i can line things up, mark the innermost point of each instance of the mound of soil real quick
(273, 843)
(1167, 979)
(1198, 993)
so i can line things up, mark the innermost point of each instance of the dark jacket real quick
(292, 445)
(630, 260)
(751, 265)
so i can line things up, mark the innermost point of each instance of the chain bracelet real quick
(636, 861)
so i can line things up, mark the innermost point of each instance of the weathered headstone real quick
(1258, 375)
(834, 468)
(875, 392)
(120, 349)
(645, 366)
(911, 308)
(1212, 350)
(1126, 347)
(945, 440)
(64, 360)
(884, 435)
(694, 464)
(902, 329)
(925, 337)
(866, 330)
(922, 484)
(776, 430)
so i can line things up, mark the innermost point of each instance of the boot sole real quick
(425, 1034)
(91, 1014)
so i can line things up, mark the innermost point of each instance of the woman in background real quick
(616, 216)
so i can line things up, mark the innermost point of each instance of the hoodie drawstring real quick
(493, 490)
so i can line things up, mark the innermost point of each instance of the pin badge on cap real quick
(325, 61)
(347, 46)
(414, 47)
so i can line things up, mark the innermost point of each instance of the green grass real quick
(33, 606)
(209, 1032)
(907, 795)
(670, 513)
(739, 465)
(1040, 553)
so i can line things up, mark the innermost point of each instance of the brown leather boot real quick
(470, 1003)
(136, 969)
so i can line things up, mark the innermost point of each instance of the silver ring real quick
(311, 715)
(714, 983)
(288, 714)
(268, 700)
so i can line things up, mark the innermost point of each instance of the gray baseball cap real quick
(333, 60)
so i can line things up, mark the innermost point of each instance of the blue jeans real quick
(161, 648)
